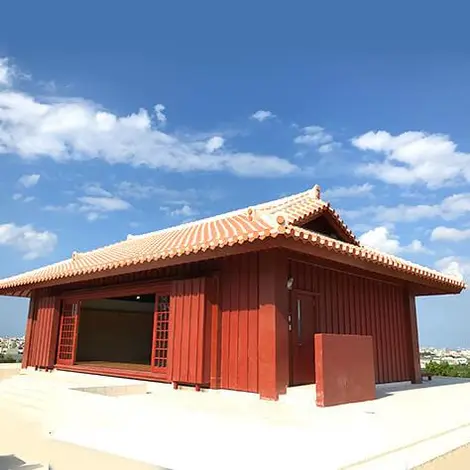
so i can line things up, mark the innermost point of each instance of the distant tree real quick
(444, 369)
(5, 358)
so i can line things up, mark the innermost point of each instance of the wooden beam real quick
(236, 249)
(273, 339)
(420, 286)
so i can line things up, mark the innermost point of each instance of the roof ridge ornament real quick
(316, 191)
(75, 255)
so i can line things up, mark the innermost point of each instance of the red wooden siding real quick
(42, 329)
(239, 323)
(189, 332)
(350, 304)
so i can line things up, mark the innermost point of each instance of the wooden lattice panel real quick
(68, 334)
(161, 325)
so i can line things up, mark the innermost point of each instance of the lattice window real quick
(162, 321)
(67, 332)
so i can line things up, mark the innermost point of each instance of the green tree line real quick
(6, 358)
(444, 369)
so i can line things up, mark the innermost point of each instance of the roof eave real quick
(290, 239)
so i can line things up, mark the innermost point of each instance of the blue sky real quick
(118, 119)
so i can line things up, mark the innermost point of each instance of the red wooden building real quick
(228, 302)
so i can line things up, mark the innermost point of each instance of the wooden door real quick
(161, 326)
(303, 313)
(68, 332)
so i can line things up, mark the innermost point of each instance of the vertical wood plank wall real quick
(43, 331)
(239, 323)
(350, 304)
(189, 332)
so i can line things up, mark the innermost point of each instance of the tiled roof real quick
(282, 217)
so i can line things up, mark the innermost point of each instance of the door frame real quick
(77, 297)
(292, 294)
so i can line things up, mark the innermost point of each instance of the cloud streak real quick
(65, 129)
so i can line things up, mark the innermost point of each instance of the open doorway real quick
(116, 332)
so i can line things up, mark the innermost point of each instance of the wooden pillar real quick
(273, 339)
(28, 335)
(412, 325)
(215, 338)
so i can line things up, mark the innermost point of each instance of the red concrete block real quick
(344, 369)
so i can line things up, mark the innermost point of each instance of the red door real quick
(303, 312)
(68, 333)
(161, 324)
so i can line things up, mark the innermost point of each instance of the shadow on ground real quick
(388, 390)
(12, 462)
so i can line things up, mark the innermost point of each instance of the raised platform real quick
(129, 366)
(178, 429)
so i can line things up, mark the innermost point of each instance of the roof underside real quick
(281, 218)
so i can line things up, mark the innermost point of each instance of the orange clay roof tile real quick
(268, 220)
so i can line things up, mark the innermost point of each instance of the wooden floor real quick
(115, 365)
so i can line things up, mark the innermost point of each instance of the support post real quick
(215, 332)
(415, 363)
(273, 338)
(28, 335)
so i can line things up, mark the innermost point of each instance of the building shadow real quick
(387, 390)
(12, 462)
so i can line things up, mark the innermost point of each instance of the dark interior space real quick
(117, 330)
(323, 226)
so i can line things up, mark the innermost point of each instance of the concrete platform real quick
(183, 429)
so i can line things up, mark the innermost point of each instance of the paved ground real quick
(456, 460)
(24, 447)
(172, 428)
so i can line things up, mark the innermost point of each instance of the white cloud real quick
(450, 234)
(20, 197)
(214, 143)
(185, 211)
(32, 243)
(414, 157)
(6, 72)
(75, 129)
(384, 240)
(29, 180)
(454, 266)
(450, 208)
(159, 113)
(172, 196)
(348, 191)
(103, 204)
(261, 115)
(95, 189)
(96, 203)
(316, 136)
